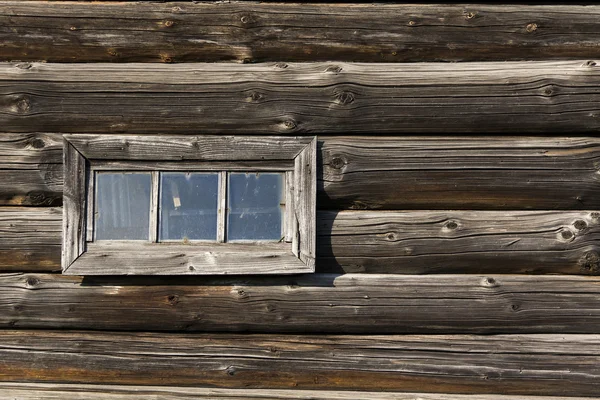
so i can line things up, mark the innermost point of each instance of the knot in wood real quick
(22, 104)
(231, 371)
(391, 236)
(337, 162)
(32, 281)
(531, 27)
(169, 23)
(590, 263)
(469, 15)
(246, 19)
(281, 65)
(73, 28)
(344, 98)
(112, 52)
(173, 299)
(514, 307)
(289, 124)
(590, 64)
(24, 66)
(36, 143)
(334, 69)
(548, 91)
(255, 97)
(451, 225)
(165, 58)
(411, 23)
(490, 282)
(595, 215)
(580, 224)
(566, 234)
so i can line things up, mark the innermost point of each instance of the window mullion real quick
(222, 214)
(154, 187)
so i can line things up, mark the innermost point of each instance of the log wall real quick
(458, 200)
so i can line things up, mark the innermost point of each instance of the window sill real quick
(139, 258)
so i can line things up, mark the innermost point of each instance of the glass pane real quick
(188, 206)
(122, 206)
(255, 206)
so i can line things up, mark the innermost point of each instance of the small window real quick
(189, 205)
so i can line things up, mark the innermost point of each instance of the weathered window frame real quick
(83, 154)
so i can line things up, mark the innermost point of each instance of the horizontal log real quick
(253, 32)
(315, 303)
(566, 365)
(362, 172)
(416, 242)
(460, 172)
(30, 238)
(312, 98)
(409, 242)
(66, 391)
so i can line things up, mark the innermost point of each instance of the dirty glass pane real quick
(122, 206)
(255, 206)
(188, 206)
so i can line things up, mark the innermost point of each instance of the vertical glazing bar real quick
(91, 206)
(222, 212)
(154, 191)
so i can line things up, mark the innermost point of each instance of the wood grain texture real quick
(31, 169)
(66, 391)
(188, 148)
(30, 238)
(363, 172)
(289, 99)
(409, 242)
(460, 242)
(566, 365)
(316, 303)
(254, 32)
(478, 172)
(75, 207)
(130, 258)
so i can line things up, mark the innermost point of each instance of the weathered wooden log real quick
(460, 173)
(30, 238)
(315, 98)
(419, 242)
(567, 365)
(316, 303)
(492, 172)
(409, 242)
(66, 391)
(254, 32)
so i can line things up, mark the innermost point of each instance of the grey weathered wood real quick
(410, 242)
(131, 258)
(251, 32)
(270, 165)
(562, 365)
(305, 204)
(74, 205)
(314, 98)
(62, 391)
(460, 173)
(350, 303)
(30, 238)
(185, 148)
(460, 242)
(367, 172)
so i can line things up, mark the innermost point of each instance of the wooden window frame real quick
(85, 154)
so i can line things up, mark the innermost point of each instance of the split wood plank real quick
(561, 365)
(302, 98)
(255, 32)
(311, 303)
